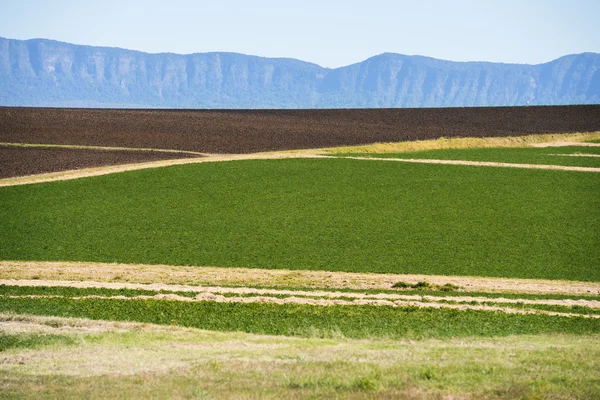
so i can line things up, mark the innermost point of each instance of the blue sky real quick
(329, 33)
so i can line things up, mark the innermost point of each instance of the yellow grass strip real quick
(466, 143)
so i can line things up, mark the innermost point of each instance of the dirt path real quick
(108, 148)
(89, 172)
(575, 155)
(565, 144)
(280, 278)
(481, 164)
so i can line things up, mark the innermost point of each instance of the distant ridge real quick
(41, 72)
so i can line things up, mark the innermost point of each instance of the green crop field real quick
(565, 156)
(330, 214)
(356, 322)
(128, 319)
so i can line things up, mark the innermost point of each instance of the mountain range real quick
(41, 72)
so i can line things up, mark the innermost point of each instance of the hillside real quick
(42, 72)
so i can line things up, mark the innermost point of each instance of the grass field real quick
(67, 358)
(186, 330)
(342, 215)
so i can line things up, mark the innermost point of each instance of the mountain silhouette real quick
(42, 72)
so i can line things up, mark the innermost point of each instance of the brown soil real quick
(249, 131)
(22, 161)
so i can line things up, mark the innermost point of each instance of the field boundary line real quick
(113, 169)
(565, 144)
(100, 148)
(161, 275)
(576, 155)
(479, 163)
(98, 171)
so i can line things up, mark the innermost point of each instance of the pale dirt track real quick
(90, 172)
(481, 164)
(159, 275)
(565, 144)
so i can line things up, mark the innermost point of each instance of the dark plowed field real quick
(247, 131)
(21, 161)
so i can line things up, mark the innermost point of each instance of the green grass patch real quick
(523, 155)
(237, 365)
(305, 320)
(329, 214)
(33, 340)
(423, 285)
(67, 291)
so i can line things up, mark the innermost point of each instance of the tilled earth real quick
(22, 161)
(249, 131)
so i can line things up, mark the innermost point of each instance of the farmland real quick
(582, 156)
(346, 272)
(21, 161)
(339, 215)
(251, 131)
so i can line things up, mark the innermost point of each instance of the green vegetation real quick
(327, 214)
(306, 320)
(202, 364)
(33, 341)
(69, 291)
(448, 287)
(494, 299)
(523, 155)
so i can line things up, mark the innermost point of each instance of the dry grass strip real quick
(278, 278)
(215, 292)
(319, 302)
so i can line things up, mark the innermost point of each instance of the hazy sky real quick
(329, 33)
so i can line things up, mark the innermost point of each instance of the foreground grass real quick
(546, 156)
(337, 215)
(306, 320)
(98, 360)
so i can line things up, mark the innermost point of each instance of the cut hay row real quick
(207, 297)
(216, 293)
(178, 278)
